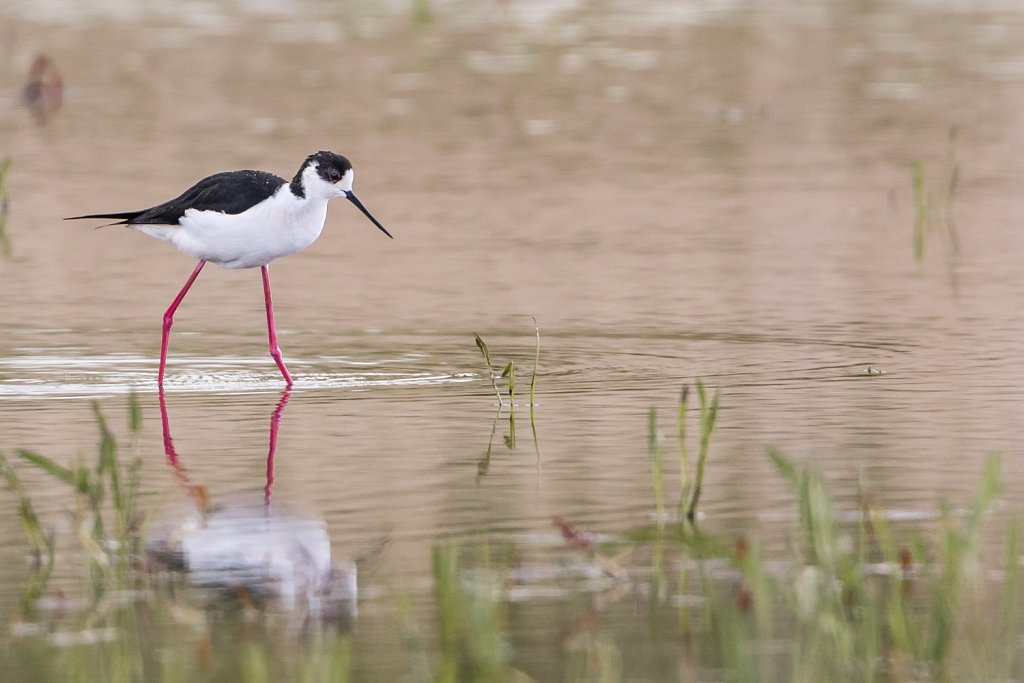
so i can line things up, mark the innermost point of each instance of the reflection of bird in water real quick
(254, 552)
(44, 91)
(263, 555)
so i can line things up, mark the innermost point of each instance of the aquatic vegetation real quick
(689, 491)
(933, 210)
(855, 601)
(421, 13)
(134, 625)
(40, 539)
(656, 454)
(920, 210)
(487, 361)
(855, 619)
(708, 414)
(106, 550)
(855, 598)
(508, 372)
(536, 364)
(469, 625)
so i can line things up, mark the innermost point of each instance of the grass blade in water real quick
(41, 542)
(134, 413)
(108, 457)
(708, 415)
(509, 373)
(656, 454)
(684, 454)
(536, 363)
(63, 473)
(920, 210)
(487, 359)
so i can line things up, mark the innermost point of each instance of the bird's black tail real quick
(126, 217)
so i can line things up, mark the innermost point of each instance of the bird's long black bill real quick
(359, 205)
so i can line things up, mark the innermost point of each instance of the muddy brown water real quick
(672, 191)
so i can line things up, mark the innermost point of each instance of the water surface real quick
(672, 192)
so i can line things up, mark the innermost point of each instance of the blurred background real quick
(534, 156)
(813, 206)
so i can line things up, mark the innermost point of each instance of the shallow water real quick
(673, 192)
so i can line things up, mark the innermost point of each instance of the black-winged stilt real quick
(244, 219)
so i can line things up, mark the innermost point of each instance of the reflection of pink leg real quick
(172, 455)
(275, 350)
(169, 320)
(197, 491)
(275, 423)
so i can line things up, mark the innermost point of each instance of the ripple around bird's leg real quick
(93, 376)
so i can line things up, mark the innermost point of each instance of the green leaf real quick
(134, 413)
(786, 467)
(490, 373)
(483, 349)
(37, 537)
(536, 362)
(708, 414)
(108, 456)
(510, 373)
(63, 473)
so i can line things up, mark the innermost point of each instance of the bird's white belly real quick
(276, 227)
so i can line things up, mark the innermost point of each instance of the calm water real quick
(673, 191)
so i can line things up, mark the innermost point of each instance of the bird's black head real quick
(327, 174)
(330, 168)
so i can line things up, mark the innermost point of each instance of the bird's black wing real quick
(229, 192)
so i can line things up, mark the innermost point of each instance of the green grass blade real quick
(656, 454)
(983, 499)
(421, 13)
(536, 364)
(57, 470)
(134, 413)
(684, 454)
(108, 457)
(708, 415)
(450, 619)
(1011, 596)
(536, 441)
(920, 210)
(510, 438)
(487, 360)
(952, 181)
(509, 373)
(786, 467)
(41, 542)
(473, 644)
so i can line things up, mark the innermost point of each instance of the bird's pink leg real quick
(275, 350)
(169, 320)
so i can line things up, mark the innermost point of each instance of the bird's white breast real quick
(279, 225)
